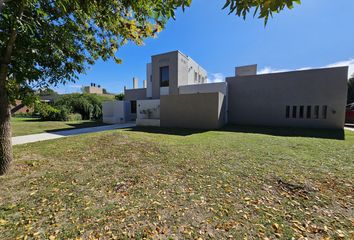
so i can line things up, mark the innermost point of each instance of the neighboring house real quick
(19, 108)
(177, 94)
(93, 89)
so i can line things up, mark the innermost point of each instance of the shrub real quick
(51, 113)
(74, 117)
(47, 112)
(120, 96)
(88, 105)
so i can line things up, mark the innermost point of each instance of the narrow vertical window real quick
(308, 112)
(317, 112)
(301, 112)
(294, 111)
(324, 112)
(133, 107)
(164, 76)
(195, 77)
(287, 112)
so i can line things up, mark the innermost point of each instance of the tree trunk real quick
(5, 124)
(5, 112)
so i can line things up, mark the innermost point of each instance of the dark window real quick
(287, 112)
(324, 112)
(308, 112)
(317, 112)
(133, 106)
(301, 112)
(164, 76)
(294, 111)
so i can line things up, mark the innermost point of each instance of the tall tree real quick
(47, 42)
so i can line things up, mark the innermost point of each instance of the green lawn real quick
(236, 183)
(26, 126)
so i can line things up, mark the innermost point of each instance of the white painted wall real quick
(149, 80)
(148, 109)
(148, 113)
(204, 88)
(113, 112)
(195, 68)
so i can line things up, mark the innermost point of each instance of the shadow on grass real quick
(289, 132)
(273, 131)
(168, 131)
(77, 125)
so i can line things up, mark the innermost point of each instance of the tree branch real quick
(6, 56)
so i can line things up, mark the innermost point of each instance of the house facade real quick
(176, 93)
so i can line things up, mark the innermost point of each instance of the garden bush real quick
(48, 112)
(74, 117)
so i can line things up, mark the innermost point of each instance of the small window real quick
(195, 77)
(164, 76)
(133, 107)
(317, 112)
(294, 111)
(308, 112)
(287, 112)
(301, 112)
(324, 112)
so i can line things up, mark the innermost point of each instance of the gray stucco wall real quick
(135, 94)
(200, 111)
(262, 99)
(167, 59)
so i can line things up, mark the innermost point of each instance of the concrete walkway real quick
(66, 133)
(349, 129)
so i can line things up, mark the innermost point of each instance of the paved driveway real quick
(67, 133)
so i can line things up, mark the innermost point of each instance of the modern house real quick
(177, 94)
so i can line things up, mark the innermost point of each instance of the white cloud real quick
(216, 77)
(267, 70)
(349, 63)
(76, 86)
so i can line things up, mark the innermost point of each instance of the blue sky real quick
(317, 33)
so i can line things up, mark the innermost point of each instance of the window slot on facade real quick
(317, 112)
(195, 77)
(308, 112)
(287, 111)
(294, 111)
(301, 112)
(164, 76)
(324, 112)
(133, 107)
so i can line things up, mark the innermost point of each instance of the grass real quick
(26, 126)
(180, 184)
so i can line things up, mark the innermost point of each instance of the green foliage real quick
(350, 90)
(74, 117)
(48, 112)
(54, 41)
(88, 105)
(120, 96)
(262, 8)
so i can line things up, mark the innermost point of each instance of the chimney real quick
(144, 84)
(135, 83)
(246, 70)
